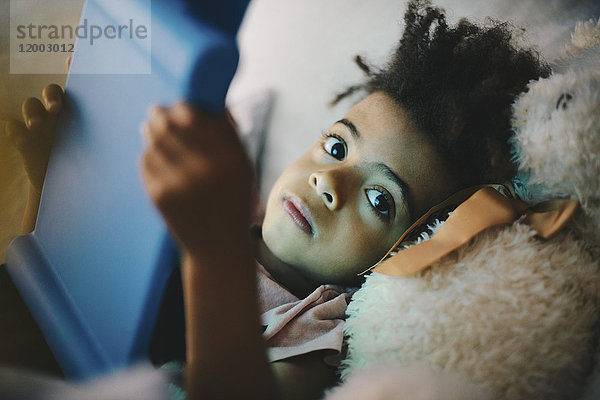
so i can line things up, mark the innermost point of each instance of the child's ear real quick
(551, 216)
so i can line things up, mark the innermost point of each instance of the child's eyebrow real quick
(387, 171)
(350, 126)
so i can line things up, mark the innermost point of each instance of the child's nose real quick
(329, 185)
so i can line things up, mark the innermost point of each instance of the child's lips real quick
(299, 213)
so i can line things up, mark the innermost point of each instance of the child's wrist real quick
(230, 250)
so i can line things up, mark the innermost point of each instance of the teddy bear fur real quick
(510, 312)
(415, 382)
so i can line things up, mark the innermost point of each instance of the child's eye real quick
(380, 201)
(335, 147)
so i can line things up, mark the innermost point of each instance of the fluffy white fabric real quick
(557, 135)
(423, 236)
(415, 382)
(586, 35)
(511, 312)
(557, 132)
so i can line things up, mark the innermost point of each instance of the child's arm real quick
(198, 175)
(33, 139)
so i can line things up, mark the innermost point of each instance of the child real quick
(435, 120)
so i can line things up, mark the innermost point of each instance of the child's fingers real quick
(199, 128)
(184, 116)
(158, 118)
(34, 114)
(17, 133)
(53, 98)
(166, 129)
(152, 170)
(151, 165)
(21, 138)
(160, 136)
(156, 160)
(162, 177)
(188, 125)
(158, 128)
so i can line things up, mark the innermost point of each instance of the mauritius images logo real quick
(113, 37)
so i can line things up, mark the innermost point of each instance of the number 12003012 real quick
(46, 47)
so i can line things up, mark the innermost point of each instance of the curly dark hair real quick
(457, 84)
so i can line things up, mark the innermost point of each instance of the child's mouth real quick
(299, 214)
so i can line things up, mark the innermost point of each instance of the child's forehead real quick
(377, 104)
(377, 120)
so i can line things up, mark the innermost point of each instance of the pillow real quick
(252, 114)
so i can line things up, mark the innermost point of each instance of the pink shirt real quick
(294, 326)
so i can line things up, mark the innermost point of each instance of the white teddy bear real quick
(509, 314)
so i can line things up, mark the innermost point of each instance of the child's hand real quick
(198, 175)
(33, 138)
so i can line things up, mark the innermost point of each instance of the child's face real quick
(341, 206)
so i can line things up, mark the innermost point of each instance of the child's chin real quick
(280, 240)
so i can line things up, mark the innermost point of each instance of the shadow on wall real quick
(13, 192)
